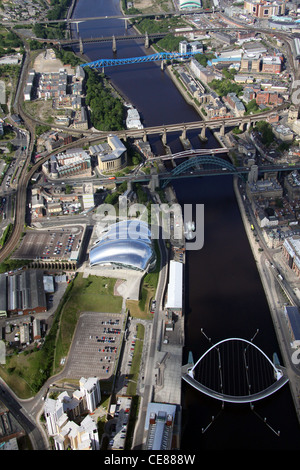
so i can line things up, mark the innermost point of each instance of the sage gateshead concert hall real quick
(126, 244)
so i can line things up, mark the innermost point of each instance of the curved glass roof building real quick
(126, 244)
(190, 4)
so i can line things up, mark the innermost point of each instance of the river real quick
(224, 295)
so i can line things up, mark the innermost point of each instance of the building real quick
(268, 98)
(292, 318)
(267, 188)
(61, 413)
(52, 84)
(291, 252)
(37, 333)
(82, 121)
(88, 195)
(91, 390)
(23, 293)
(3, 295)
(175, 288)
(245, 35)
(72, 163)
(271, 64)
(202, 73)
(126, 244)
(235, 104)
(189, 4)
(283, 133)
(195, 46)
(114, 156)
(159, 424)
(264, 8)
(292, 185)
(250, 63)
(224, 37)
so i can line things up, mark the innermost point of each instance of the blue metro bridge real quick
(160, 56)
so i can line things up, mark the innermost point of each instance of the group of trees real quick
(113, 198)
(9, 43)
(170, 43)
(58, 9)
(158, 26)
(267, 135)
(204, 58)
(107, 112)
(67, 57)
(49, 31)
(225, 86)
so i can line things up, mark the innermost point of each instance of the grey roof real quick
(26, 290)
(3, 289)
(126, 244)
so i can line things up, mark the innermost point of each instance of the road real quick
(24, 418)
(147, 395)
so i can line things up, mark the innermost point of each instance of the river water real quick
(224, 295)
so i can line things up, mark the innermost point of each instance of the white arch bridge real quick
(235, 370)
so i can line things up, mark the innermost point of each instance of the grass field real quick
(136, 360)
(141, 308)
(93, 294)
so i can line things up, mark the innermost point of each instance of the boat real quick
(133, 119)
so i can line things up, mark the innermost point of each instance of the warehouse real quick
(23, 293)
(175, 288)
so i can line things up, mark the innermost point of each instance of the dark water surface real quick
(224, 295)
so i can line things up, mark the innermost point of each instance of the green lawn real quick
(93, 294)
(136, 361)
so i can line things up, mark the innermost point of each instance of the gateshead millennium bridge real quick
(238, 372)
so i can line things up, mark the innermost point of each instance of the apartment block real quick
(264, 8)
(60, 415)
(271, 64)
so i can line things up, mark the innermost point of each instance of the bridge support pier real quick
(114, 44)
(147, 43)
(145, 137)
(241, 127)
(202, 136)
(248, 126)
(162, 65)
(164, 137)
(154, 182)
(183, 135)
(222, 130)
(80, 46)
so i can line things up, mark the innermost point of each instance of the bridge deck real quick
(231, 398)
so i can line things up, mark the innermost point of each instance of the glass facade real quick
(126, 244)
